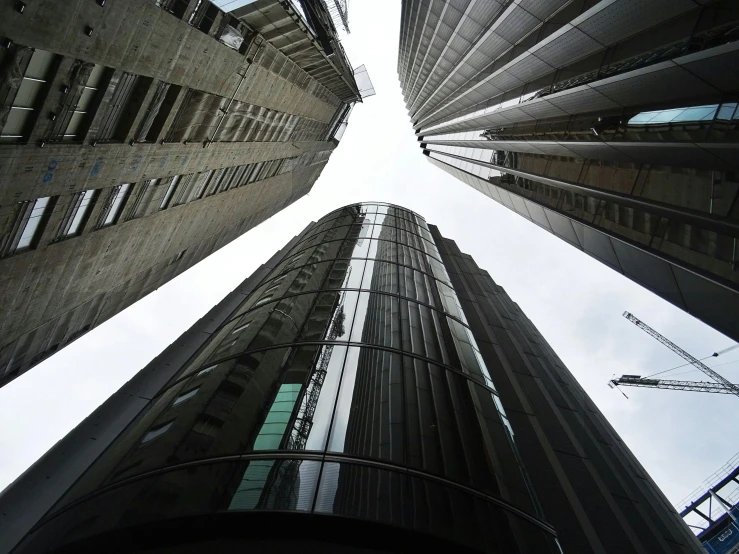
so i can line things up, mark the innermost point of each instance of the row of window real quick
(29, 218)
(119, 97)
(231, 31)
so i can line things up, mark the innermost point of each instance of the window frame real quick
(10, 244)
(77, 214)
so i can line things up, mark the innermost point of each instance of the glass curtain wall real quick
(347, 384)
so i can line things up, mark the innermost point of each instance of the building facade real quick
(611, 124)
(353, 394)
(139, 136)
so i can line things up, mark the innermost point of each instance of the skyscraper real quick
(368, 389)
(138, 137)
(611, 124)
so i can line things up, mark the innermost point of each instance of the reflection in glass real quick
(276, 485)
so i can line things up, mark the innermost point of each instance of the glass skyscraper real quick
(369, 389)
(611, 124)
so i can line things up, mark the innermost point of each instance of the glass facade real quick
(596, 121)
(348, 383)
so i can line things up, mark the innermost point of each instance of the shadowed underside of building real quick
(611, 124)
(138, 137)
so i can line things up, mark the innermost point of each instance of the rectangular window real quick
(175, 7)
(254, 175)
(215, 180)
(185, 396)
(143, 198)
(202, 181)
(246, 178)
(156, 432)
(238, 176)
(263, 300)
(208, 425)
(170, 191)
(75, 119)
(227, 178)
(114, 205)
(241, 328)
(77, 214)
(121, 104)
(184, 189)
(165, 97)
(25, 225)
(29, 94)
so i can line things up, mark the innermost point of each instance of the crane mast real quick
(696, 386)
(730, 387)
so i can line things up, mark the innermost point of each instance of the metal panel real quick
(648, 270)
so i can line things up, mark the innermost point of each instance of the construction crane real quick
(696, 386)
(721, 384)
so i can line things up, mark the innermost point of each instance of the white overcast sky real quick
(575, 301)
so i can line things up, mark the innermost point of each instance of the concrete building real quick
(612, 124)
(369, 389)
(139, 136)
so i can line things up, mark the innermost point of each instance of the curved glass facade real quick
(348, 383)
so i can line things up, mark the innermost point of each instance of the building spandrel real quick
(610, 124)
(139, 136)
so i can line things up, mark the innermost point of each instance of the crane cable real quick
(714, 355)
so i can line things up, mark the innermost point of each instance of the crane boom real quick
(696, 386)
(683, 354)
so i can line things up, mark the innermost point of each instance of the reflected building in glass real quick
(349, 397)
(611, 124)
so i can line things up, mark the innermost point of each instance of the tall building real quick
(611, 124)
(139, 136)
(369, 389)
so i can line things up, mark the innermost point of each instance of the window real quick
(201, 182)
(208, 425)
(185, 396)
(143, 198)
(121, 104)
(170, 191)
(29, 95)
(184, 189)
(205, 371)
(241, 328)
(157, 113)
(114, 205)
(71, 124)
(77, 214)
(228, 178)
(215, 180)
(156, 432)
(26, 225)
(175, 7)
(263, 300)
(226, 397)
